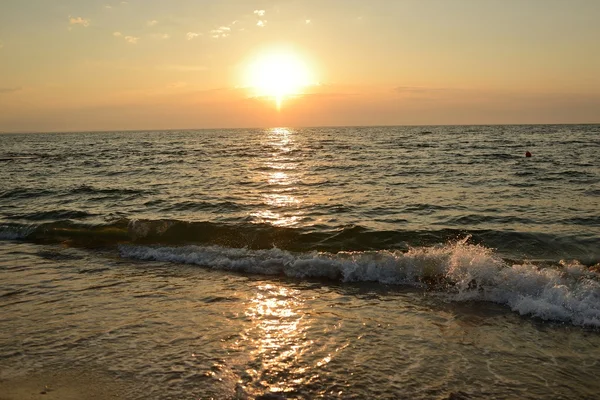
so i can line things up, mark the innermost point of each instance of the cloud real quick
(260, 13)
(4, 90)
(182, 68)
(152, 22)
(79, 21)
(261, 23)
(128, 39)
(192, 35)
(221, 32)
(307, 21)
(108, 6)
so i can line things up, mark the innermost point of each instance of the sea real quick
(424, 262)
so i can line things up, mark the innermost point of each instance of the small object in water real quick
(527, 154)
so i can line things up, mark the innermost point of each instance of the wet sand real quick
(65, 385)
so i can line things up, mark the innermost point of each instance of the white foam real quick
(141, 228)
(569, 293)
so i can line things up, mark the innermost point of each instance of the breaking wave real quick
(513, 244)
(567, 292)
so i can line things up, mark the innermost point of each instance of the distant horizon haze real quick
(261, 128)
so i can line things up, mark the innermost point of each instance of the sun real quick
(277, 75)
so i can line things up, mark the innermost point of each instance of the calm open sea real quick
(375, 262)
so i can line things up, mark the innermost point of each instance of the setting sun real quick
(277, 75)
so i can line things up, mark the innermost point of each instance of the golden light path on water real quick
(279, 337)
(289, 349)
(283, 356)
(281, 173)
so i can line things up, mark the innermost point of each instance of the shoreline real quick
(65, 385)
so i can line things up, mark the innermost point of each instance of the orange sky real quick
(109, 65)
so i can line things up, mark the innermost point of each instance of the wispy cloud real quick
(221, 32)
(108, 6)
(152, 22)
(261, 21)
(307, 21)
(192, 35)
(128, 39)
(79, 21)
(132, 39)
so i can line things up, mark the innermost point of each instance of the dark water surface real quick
(382, 262)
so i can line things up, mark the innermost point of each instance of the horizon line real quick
(25, 132)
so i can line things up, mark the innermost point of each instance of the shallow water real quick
(382, 262)
(175, 331)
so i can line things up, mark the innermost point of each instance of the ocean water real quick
(370, 262)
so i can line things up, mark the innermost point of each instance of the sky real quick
(82, 65)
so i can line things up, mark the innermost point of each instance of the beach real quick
(72, 385)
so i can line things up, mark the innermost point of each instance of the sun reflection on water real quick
(281, 173)
(279, 338)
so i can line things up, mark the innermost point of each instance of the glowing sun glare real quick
(277, 75)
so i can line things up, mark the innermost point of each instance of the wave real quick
(513, 244)
(568, 292)
(25, 193)
(51, 215)
(474, 219)
(88, 189)
(30, 193)
(464, 270)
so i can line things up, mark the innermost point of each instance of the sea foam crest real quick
(569, 292)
